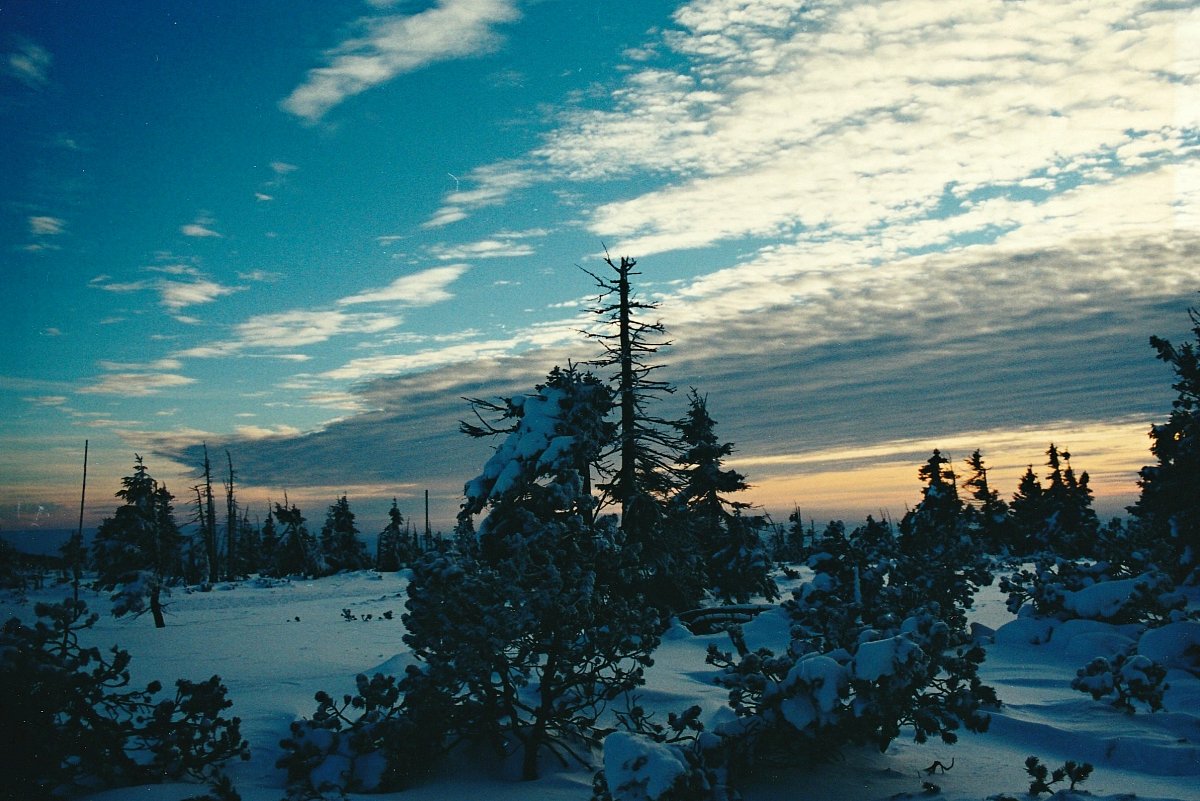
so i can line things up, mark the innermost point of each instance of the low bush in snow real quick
(370, 742)
(869, 655)
(650, 761)
(80, 728)
(1130, 677)
(1065, 590)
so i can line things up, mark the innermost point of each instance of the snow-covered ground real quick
(276, 643)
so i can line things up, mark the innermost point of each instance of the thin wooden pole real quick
(77, 550)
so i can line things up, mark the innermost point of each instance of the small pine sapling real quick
(1042, 779)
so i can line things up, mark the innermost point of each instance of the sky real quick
(301, 233)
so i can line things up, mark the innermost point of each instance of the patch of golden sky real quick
(853, 482)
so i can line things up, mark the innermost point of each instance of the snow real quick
(880, 658)
(1103, 600)
(823, 677)
(1175, 645)
(638, 768)
(276, 643)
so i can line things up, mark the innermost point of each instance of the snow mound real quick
(640, 769)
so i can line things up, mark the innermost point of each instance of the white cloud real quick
(493, 184)
(396, 44)
(420, 289)
(198, 230)
(159, 365)
(264, 276)
(372, 366)
(835, 120)
(30, 64)
(497, 248)
(46, 226)
(48, 400)
(301, 327)
(173, 295)
(176, 295)
(254, 433)
(136, 384)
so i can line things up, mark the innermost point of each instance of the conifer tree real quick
(393, 549)
(340, 546)
(1057, 516)
(137, 549)
(937, 519)
(645, 445)
(1169, 504)
(940, 564)
(268, 543)
(1028, 512)
(988, 515)
(544, 586)
(297, 552)
(732, 560)
(249, 547)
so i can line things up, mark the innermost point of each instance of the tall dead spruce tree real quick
(645, 446)
(206, 517)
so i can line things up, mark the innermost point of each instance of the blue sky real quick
(303, 232)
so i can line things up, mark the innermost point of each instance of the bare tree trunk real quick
(156, 608)
(626, 390)
(210, 523)
(230, 525)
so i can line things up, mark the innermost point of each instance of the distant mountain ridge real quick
(43, 541)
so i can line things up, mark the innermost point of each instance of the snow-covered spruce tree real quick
(533, 632)
(735, 563)
(297, 552)
(1113, 573)
(644, 444)
(941, 564)
(136, 551)
(1168, 509)
(340, 546)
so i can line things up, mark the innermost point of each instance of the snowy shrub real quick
(651, 761)
(370, 742)
(638, 768)
(879, 643)
(81, 729)
(909, 675)
(1066, 590)
(1131, 677)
